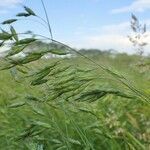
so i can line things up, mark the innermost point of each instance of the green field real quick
(73, 104)
(54, 97)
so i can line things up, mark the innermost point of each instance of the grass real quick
(79, 102)
(51, 122)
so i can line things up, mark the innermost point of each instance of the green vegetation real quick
(80, 107)
(87, 100)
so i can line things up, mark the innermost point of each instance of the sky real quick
(102, 24)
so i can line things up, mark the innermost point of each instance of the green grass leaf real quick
(42, 124)
(9, 21)
(16, 49)
(14, 33)
(38, 82)
(26, 41)
(23, 14)
(29, 10)
(16, 105)
(5, 36)
(59, 51)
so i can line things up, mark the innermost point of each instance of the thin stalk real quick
(48, 22)
(36, 21)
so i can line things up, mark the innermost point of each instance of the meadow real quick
(80, 107)
(75, 100)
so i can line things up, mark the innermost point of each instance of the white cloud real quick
(9, 3)
(135, 6)
(109, 37)
(121, 28)
(107, 41)
(5, 5)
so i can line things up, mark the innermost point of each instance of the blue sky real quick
(102, 24)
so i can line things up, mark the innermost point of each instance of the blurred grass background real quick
(112, 122)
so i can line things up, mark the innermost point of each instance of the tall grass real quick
(65, 103)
